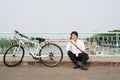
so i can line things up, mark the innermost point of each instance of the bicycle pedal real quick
(30, 54)
(35, 58)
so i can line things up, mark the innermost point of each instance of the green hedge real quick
(5, 43)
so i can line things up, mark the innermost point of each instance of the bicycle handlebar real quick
(20, 34)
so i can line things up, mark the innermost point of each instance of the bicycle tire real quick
(53, 58)
(12, 60)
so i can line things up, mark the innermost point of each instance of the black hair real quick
(75, 33)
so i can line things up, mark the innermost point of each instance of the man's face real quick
(74, 37)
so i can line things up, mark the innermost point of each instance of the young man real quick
(74, 53)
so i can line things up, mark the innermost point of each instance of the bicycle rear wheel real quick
(13, 56)
(51, 55)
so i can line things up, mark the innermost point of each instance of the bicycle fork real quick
(16, 51)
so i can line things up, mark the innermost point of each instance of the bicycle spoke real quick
(54, 52)
(13, 56)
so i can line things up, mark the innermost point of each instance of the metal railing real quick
(101, 43)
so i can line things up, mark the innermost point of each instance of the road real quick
(59, 73)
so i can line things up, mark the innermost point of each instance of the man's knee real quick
(69, 53)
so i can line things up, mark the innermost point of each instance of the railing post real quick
(117, 44)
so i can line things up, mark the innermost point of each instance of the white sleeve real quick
(68, 47)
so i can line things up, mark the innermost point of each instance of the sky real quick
(59, 15)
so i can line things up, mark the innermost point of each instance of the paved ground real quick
(59, 73)
(101, 68)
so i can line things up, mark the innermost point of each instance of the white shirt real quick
(73, 49)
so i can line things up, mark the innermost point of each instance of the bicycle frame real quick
(22, 42)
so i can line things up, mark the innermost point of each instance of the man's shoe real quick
(84, 67)
(77, 66)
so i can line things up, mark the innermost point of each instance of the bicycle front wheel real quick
(51, 55)
(13, 56)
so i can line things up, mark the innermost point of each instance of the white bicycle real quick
(50, 54)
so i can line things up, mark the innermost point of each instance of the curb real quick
(67, 63)
(93, 61)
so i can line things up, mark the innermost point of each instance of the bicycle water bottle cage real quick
(40, 39)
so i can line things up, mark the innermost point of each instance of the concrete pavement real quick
(59, 73)
(101, 68)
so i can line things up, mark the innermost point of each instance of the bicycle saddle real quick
(40, 39)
